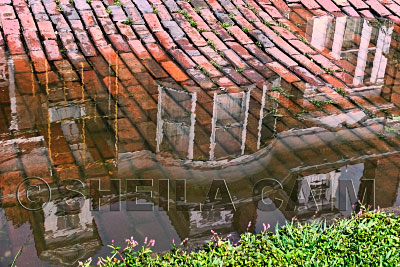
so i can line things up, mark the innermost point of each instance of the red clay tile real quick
(204, 62)
(181, 50)
(345, 77)
(21, 63)
(108, 26)
(132, 62)
(139, 49)
(7, 12)
(320, 12)
(346, 65)
(86, 45)
(97, 36)
(358, 4)
(243, 23)
(261, 68)
(378, 7)
(216, 6)
(200, 22)
(307, 76)
(200, 78)
(109, 54)
(68, 41)
(174, 71)
(310, 4)
(273, 12)
(99, 9)
(182, 58)
(285, 46)
(32, 40)
(212, 55)
(328, 5)
(305, 49)
(367, 14)
(81, 4)
(46, 30)
(77, 26)
(52, 50)
(240, 50)
(350, 11)
(126, 31)
(119, 43)
(314, 68)
(224, 82)
(258, 53)
(234, 59)
(88, 18)
(157, 52)
(333, 81)
(60, 23)
(153, 22)
(281, 6)
(341, 3)
(15, 44)
(27, 22)
(163, 13)
(211, 37)
(325, 62)
(395, 19)
(254, 77)
(283, 72)
(125, 76)
(51, 8)
(39, 61)
(154, 68)
(10, 26)
(280, 56)
(240, 35)
(165, 40)
(395, 8)
(193, 34)
(285, 33)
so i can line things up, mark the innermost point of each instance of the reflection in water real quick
(356, 41)
(229, 123)
(89, 127)
(175, 122)
(69, 232)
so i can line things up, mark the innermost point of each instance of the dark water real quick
(256, 155)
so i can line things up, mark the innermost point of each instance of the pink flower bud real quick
(266, 227)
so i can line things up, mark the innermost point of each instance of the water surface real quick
(255, 155)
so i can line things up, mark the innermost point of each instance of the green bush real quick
(366, 239)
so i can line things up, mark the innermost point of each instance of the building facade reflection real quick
(362, 43)
(242, 136)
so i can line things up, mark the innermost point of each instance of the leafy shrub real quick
(366, 239)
